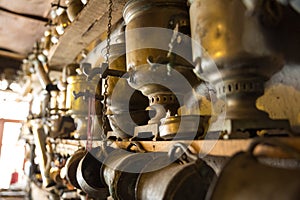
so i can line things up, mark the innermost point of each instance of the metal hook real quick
(186, 156)
(138, 145)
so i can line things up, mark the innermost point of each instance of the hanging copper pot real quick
(72, 165)
(245, 177)
(88, 175)
(121, 170)
(189, 180)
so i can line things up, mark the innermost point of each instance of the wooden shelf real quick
(87, 27)
(207, 147)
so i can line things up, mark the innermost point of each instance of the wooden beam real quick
(87, 27)
(12, 55)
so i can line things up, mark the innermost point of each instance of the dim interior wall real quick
(282, 96)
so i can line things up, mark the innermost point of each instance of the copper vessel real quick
(186, 177)
(121, 170)
(79, 90)
(158, 53)
(184, 127)
(71, 167)
(88, 176)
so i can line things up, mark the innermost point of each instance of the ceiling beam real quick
(13, 55)
(30, 16)
(88, 26)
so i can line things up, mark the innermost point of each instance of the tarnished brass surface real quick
(157, 13)
(184, 127)
(78, 107)
(233, 40)
(125, 106)
(157, 71)
(121, 171)
(124, 94)
(227, 33)
(175, 181)
(80, 84)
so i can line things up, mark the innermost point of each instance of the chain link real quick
(110, 5)
(105, 80)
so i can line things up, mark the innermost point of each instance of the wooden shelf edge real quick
(225, 148)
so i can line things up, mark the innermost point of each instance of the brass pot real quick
(234, 38)
(159, 14)
(80, 84)
(121, 97)
(122, 100)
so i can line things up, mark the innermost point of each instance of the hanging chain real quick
(105, 83)
(110, 5)
(170, 55)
